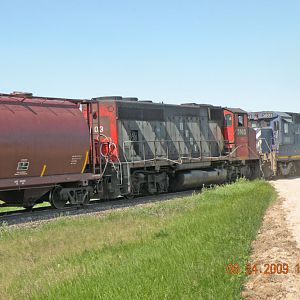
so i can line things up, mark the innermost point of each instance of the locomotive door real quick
(229, 134)
(241, 136)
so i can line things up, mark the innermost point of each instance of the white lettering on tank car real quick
(20, 182)
(75, 159)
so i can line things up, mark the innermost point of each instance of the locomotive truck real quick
(72, 150)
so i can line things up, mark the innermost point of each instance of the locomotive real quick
(72, 150)
(278, 141)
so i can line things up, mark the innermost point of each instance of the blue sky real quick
(230, 53)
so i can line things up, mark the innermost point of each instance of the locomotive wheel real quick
(86, 199)
(128, 196)
(56, 199)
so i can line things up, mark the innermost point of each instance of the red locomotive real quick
(67, 150)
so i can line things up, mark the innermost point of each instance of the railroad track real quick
(47, 213)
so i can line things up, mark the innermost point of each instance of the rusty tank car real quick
(44, 147)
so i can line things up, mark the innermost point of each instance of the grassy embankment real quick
(177, 249)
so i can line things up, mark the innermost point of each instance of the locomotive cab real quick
(239, 138)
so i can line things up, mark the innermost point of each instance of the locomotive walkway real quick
(278, 242)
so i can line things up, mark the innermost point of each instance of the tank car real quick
(278, 141)
(44, 146)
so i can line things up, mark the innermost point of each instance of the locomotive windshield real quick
(228, 120)
(241, 120)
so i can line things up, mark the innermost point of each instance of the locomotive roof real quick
(235, 110)
(268, 115)
(134, 100)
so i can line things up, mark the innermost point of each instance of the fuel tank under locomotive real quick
(43, 142)
(185, 180)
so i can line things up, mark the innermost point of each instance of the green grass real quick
(171, 250)
(10, 208)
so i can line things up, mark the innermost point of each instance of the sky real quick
(243, 53)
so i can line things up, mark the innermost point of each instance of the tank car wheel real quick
(55, 198)
(28, 208)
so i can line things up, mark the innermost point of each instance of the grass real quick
(10, 208)
(172, 250)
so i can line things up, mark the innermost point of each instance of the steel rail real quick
(48, 213)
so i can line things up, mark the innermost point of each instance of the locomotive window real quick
(228, 120)
(297, 118)
(276, 126)
(240, 120)
(134, 137)
(286, 128)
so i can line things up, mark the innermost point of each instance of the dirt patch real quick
(288, 189)
(274, 244)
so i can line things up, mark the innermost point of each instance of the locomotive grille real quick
(149, 114)
(216, 114)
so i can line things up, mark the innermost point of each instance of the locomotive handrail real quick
(177, 160)
(265, 140)
(165, 154)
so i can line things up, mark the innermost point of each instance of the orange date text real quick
(264, 269)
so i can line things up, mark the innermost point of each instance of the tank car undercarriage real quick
(58, 196)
